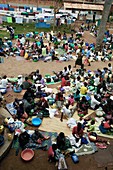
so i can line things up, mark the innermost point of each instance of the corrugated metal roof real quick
(84, 6)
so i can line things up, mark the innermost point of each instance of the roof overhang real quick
(84, 6)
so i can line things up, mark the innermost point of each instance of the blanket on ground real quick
(84, 149)
(11, 109)
(48, 142)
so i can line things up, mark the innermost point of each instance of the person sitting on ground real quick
(65, 111)
(65, 71)
(84, 89)
(95, 104)
(20, 80)
(3, 52)
(78, 83)
(63, 142)
(29, 94)
(82, 106)
(54, 57)
(63, 81)
(77, 95)
(43, 106)
(69, 68)
(21, 114)
(17, 88)
(53, 153)
(29, 106)
(40, 92)
(24, 139)
(26, 84)
(91, 126)
(71, 100)
(4, 82)
(37, 137)
(105, 126)
(35, 77)
(22, 52)
(59, 99)
(78, 132)
(96, 80)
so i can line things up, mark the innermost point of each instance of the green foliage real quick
(51, 7)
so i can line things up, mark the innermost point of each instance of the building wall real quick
(46, 2)
(30, 2)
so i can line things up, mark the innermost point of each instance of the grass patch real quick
(30, 27)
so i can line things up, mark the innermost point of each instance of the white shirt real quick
(78, 84)
(4, 83)
(94, 102)
(20, 81)
(22, 40)
(96, 81)
(110, 68)
(66, 111)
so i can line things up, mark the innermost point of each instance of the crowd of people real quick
(45, 45)
(79, 90)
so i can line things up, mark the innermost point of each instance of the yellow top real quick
(83, 90)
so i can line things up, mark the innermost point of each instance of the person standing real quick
(79, 59)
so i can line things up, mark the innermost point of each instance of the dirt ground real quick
(12, 67)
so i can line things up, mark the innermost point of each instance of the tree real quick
(57, 4)
(102, 27)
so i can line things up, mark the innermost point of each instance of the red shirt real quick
(71, 100)
(75, 132)
(106, 125)
(63, 82)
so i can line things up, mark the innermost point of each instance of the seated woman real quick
(24, 139)
(63, 81)
(77, 95)
(40, 92)
(26, 84)
(77, 132)
(63, 143)
(21, 114)
(17, 88)
(105, 126)
(37, 137)
(29, 106)
(82, 106)
(29, 94)
(71, 100)
(43, 106)
(55, 155)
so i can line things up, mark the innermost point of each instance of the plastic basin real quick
(27, 154)
(36, 121)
